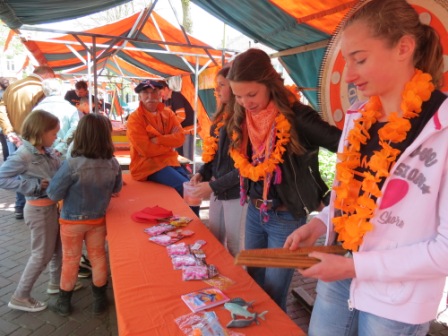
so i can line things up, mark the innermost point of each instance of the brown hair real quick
(81, 85)
(4, 83)
(391, 20)
(93, 137)
(254, 65)
(224, 107)
(36, 124)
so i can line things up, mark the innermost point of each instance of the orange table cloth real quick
(147, 289)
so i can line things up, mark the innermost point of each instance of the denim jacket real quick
(32, 167)
(86, 186)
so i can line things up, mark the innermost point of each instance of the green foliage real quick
(327, 166)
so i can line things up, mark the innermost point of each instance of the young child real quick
(36, 163)
(86, 182)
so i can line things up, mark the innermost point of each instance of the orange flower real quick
(210, 143)
(358, 207)
(262, 169)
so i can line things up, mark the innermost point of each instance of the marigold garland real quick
(210, 143)
(260, 170)
(358, 210)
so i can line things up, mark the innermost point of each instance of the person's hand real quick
(202, 190)
(196, 178)
(44, 184)
(331, 267)
(306, 235)
(14, 138)
(155, 140)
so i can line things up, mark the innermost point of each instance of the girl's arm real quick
(10, 171)
(60, 183)
(315, 131)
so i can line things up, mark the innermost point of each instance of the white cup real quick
(189, 199)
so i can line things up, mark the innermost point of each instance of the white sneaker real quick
(29, 305)
(54, 289)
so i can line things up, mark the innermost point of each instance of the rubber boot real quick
(63, 304)
(100, 301)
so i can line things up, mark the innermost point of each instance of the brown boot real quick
(100, 301)
(63, 305)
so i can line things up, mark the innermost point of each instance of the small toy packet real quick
(220, 281)
(203, 324)
(171, 237)
(184, 260)
(178, 249)
(164, 240)
(159, 229)
(179, 221)
(200, 272)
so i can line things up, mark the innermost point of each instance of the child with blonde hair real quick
(36, 163)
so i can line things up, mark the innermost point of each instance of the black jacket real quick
(226, 183)
(302, 188)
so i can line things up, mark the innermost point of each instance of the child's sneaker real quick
(84, 262)
(84, 272)
(28, 305)
(54, 289)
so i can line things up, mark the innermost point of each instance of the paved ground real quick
(14, 251)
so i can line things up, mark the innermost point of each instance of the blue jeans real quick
(187, 149)
(173, 177)
(275, 281)
(4, 145)
(331, 316)
(20, 199)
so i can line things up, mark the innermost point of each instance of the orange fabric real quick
(180, 114)
(170, 33)
(41, 202)
(116, 104)
(322, 15)
(204, 122)
(146, 288)
(11, 34)
(95, 221)
(147, 157)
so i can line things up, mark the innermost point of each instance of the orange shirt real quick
(147, 157)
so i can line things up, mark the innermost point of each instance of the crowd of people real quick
(261, 173)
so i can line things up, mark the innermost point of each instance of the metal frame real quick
(110, 50)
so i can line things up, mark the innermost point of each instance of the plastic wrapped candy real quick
(184, 260)
(178, 249)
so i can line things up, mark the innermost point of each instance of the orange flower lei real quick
(358, 210)
(259, 171)
(210, 144)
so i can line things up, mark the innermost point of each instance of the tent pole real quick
(195, 129)
(95, 78)
(89, 76)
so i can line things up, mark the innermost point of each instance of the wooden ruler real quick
(281, 257)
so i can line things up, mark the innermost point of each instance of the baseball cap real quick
(147, 83)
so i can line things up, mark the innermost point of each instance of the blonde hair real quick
(391, 20)
(36, 124)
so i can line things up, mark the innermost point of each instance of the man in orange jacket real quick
(154, 133)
